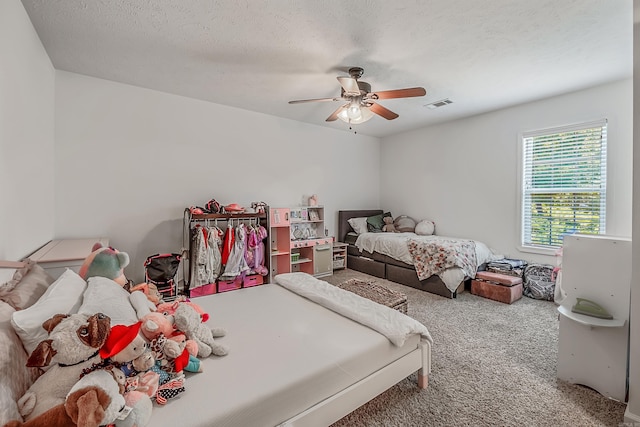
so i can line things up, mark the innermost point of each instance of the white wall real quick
(632, 413)
(463, 174)
(26, 136)
(130, 160)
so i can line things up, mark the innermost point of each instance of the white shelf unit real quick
(594, 351)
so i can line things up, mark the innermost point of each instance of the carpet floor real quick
(493, 364)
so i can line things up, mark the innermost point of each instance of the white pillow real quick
(425, 227)
(359, 225)
(108, 297)
(62, 296)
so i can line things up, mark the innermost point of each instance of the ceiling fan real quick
(359, 102)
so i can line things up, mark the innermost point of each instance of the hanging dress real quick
(236, 264)
(250, 248)
(228, 244)
(201, 267)
(215, 256)
(259, 254)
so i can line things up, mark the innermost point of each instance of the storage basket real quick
(295, 257)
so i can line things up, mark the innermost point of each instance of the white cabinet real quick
(58, 255)
(593, 351)
(323, 259)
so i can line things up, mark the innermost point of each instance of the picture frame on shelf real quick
(313, 215)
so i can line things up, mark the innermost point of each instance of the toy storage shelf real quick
(298, 241)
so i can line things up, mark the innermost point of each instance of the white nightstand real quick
(339, 255)
(58, 255)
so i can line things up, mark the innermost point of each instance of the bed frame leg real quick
(423, 379)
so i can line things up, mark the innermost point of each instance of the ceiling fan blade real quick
(350, 85)
(398, 93)
(382, 111)
(334, 116)
(300, 101)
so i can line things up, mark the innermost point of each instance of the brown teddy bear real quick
(388, 226)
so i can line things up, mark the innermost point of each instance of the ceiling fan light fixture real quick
(353, 111)
(365, 115)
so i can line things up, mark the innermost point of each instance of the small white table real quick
(58, 255)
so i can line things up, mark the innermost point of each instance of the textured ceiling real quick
(259, 54)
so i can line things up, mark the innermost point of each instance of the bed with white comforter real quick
(398, 246)
(302, 352)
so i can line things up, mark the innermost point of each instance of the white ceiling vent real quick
(440, 103)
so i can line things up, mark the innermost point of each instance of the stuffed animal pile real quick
(121, 354)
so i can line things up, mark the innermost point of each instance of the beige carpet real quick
(493, 364)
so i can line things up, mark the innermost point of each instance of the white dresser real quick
(58, 255)
(593, 351)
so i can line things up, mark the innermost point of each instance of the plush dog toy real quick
(73, 345)
(84, 407)
(189, 322)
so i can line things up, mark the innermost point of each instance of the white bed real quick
(294, 362)
(395, 246)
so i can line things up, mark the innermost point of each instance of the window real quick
(564, 183)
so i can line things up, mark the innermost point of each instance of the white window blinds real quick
(564, 183)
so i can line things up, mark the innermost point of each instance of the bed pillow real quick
(26, 287)
(425, 227)
(376, 222)
(106, 296)
(63, 296)
(358, 224)
(405, 224)
(16, 377)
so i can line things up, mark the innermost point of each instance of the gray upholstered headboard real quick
(344, 216)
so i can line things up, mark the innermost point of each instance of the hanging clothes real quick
(250, 247)
(214, 251)
(201, 266)
(236, 264)
(227, 246)
(259, 255)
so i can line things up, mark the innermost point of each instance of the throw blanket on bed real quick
(433, 257)
(397, 327)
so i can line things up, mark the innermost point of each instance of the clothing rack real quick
(220, 220)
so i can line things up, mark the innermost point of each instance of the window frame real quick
(537, 249)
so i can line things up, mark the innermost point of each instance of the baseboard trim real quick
(631, 418)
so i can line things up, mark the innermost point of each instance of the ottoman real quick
(498, 287)
(377, 293)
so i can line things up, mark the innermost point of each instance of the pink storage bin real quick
(201, 291)
(229, 285)
(252, 280)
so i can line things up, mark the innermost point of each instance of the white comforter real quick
(395, 246)
(387, 321)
